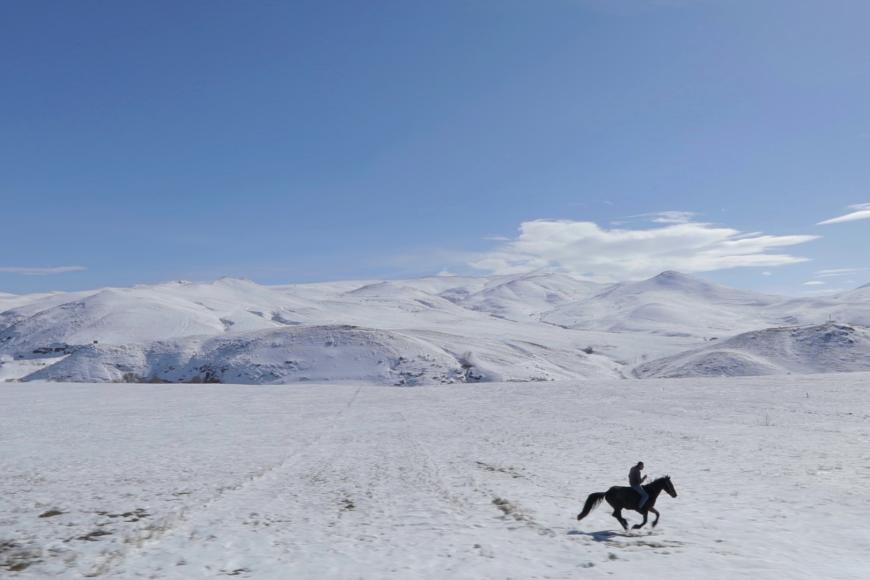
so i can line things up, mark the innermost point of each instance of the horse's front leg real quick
(656, 512)
(645, 514)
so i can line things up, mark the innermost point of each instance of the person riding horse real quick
(621, 498)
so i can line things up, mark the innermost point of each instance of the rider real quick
(634, 479)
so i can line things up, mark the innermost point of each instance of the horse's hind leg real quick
(656, 512)
(645, 514)
(617, 513)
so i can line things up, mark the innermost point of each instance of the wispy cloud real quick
(32, 271)
(861, 212)
(661, 217)
(672, 217)
(587, 250)
(834, 272)
(815, 283)
(821, 291)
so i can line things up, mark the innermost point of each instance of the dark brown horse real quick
(625, 498)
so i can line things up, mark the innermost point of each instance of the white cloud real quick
(663, 217)
(862, 212)
(815, 283)
(590, 251)
(766, 273)
(830, 273)
(822, 291)
(673, 217)
(30, 271)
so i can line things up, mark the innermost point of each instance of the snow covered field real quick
(464, 481)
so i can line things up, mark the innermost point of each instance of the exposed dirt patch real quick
(15, 557)
(131, 516)
(510, 510)
(94, 536)
(498, 469)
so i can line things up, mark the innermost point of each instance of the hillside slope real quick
(822, 348)
(285, 355)
(667, 304)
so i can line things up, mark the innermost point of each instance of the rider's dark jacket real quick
(634, 477)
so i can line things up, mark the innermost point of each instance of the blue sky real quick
(305, 141)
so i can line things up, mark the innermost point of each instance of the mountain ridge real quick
(538, 326)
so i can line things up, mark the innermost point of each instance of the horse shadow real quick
(602, 535)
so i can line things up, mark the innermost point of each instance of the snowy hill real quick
(286, 355)
(527, 297)
(859, 294)
(170, 332)
(534, 327)
(668, 304)
(852, 307)
(139, 314)
(774, 351)
(521, 298)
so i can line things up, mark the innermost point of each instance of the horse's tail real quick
(591, 503)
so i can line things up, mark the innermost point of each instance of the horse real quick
(621, 498)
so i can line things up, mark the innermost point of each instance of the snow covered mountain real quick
(525, 297)
(825, 348)
(668, 304)
(443, 329)
(851, 307)
(142, 314)
(293, 354)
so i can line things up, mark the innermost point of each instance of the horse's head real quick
(669, 486)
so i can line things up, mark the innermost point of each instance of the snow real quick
(668, 304)
(462, 481)
(526, 297)
(535, 327)
(519, 410)
(150, 332)
(824, 348)
(859, 294)
(273, 356)
(12, 369)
